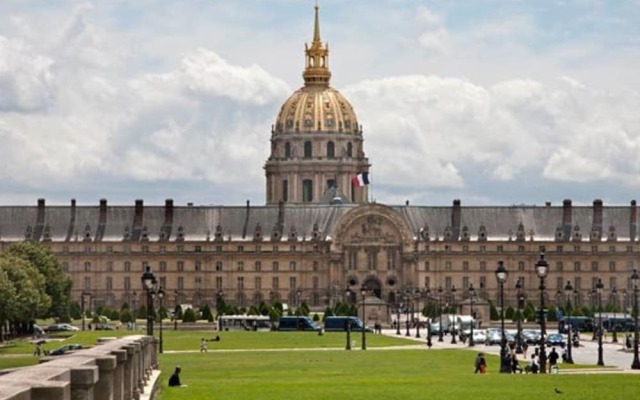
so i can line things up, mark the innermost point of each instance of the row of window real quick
(307, 190)
(558, 266)
(198, 283)
(520, 249)
(197, 266)
(330, 150)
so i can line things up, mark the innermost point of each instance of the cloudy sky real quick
(494, 102)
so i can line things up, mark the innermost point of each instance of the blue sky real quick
(494, 102)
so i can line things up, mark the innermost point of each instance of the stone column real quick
(83, 380)
(130, 382)
(106, 380)
(118, 374)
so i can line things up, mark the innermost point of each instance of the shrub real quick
(189, 315)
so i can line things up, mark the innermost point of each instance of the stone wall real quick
(114, 369)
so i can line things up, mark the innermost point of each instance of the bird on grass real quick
(558, 391)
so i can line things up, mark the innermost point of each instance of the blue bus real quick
(339, 324)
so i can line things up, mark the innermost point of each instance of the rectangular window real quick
(576, 249)
(307, 190)
(258, 266)
(465, 266)
(218, 283)
(315, 283)
(520, 249)
(576, 266)
(109, 249)
(240, 249)
(109, 266)
(447, 266)
(500, 249)
(285, 190)
(612, 266)
(427, 282)
(127, 283)
(483, 283)
(275, 283)
(520, 265)
(65, 267)
(448, 282)
(109, 283)
(198, 282)
(240, 266)
(594, 249)
(145, 249)
(163, 249)
(163, 266)
(465, 282)
(353, 260)
(180, 266)
(612, 249)
(198, 249)
(275, 266)
(292, 266)
(483, 266)
(163, 282)
(218, 249)
(87, 283)
(372, 259)
(391, 259)
(427, 266)
(87, 266)
(258, 282)
(292, 282)
(559, 249)
(594, 266)
(180, 283)
(198, 266)
(145, 264)
(316, 266)
(219, 266)
(559, 266)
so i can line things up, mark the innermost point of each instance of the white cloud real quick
(435, 37)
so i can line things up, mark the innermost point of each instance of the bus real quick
(578, 324)
(244, 323)
(339, 324)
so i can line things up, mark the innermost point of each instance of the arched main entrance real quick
(373, 285)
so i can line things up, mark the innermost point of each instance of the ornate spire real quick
(316, 71)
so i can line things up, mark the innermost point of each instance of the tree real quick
(57, 284)
(8, 300)
(30, 300)
(205, 313)
(189, 315)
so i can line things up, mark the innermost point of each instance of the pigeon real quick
(558, 391)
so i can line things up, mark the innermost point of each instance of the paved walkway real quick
(614, 356)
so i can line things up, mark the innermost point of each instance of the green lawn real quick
(296, 365)
(374, 374)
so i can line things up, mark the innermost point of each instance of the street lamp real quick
(453, 302)
(363, 292)
(635, 279)
(408, 299)
(568, 289)
(599, 287)
(418, 312)
(82, 311)
(175, 315)
(149, 282)
(440, 309)
(135, 309)
(520, 294)
(160, 294)
(399, 306)
(347, 294)
(501, 275)
(614, 297)
(542, 269)
(472, 299)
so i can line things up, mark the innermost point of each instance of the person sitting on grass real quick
(174, 379)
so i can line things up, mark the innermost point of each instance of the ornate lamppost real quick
(82, 310)
(453, 302)
(149, 283)
(501, 275)
(599, 287)
(568, 289)
(399, 306)
(135, 309)
(347, 294)
(542, 269)
(472, 299)
(408, 299)
(520, 294)
(418, 312)
(160, 294)
(614, 300)
(363, 292)
(440, 312)
(175, 316)
(635, 279)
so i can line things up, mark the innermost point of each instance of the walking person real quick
(203, 345)
(553, 359)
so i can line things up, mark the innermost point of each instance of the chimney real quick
(137, 220)
(103, 211)
(168, 212)
(456, 218)
(597, 215)
(567, 224)
(633, 221)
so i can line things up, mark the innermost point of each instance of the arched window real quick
(331, 150)
(307, 150)
(307, 191)
(287, 150)
(349, 150)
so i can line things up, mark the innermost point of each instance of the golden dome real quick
(316, 107)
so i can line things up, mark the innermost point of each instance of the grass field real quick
(279, 365)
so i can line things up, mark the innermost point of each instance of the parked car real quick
(104, 327)
(61, 328)
(556, 339)
(65, 349)
(531, 336)
(479, 336)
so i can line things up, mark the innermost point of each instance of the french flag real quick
(360, 179)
